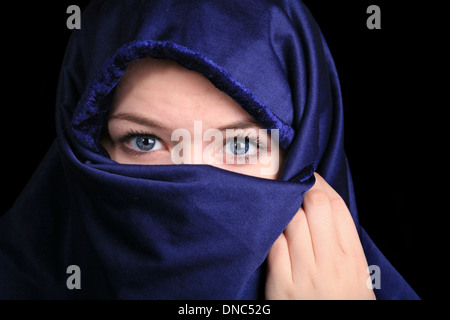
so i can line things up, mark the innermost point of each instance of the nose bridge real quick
(196, 145)
(197, 154)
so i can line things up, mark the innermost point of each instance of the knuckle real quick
(316, 197)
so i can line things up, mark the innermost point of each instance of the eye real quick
(145, 143)
(240, 146)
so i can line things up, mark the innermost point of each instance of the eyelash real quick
(252, 139)
(133, 134)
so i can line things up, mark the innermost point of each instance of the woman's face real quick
(163, 113)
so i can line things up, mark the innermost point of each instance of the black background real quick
(382, 75)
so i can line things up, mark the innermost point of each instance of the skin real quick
(318, 256)
(159, 96)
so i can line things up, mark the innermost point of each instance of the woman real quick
(109, 199)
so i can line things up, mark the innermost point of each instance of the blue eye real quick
(145, 143)
(240, 146)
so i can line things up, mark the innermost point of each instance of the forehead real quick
(168, 92)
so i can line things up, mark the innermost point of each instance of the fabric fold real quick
(180, 231)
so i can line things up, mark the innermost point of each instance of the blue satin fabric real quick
(180, 231)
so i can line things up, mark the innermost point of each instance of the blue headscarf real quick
(180, 231)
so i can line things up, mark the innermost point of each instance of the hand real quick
(319, 255)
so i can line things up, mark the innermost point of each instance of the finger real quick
(279, 263)
(318, 210)
(299, 242)
(345, 227)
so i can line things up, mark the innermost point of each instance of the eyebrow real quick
(139, 120)
(240, 124)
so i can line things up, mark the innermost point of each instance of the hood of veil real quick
(180, 231)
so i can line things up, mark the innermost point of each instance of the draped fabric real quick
(180, 231)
